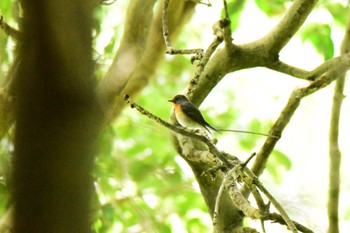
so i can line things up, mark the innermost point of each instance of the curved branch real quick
(287, 113)
(289, 25)
(285, 68)
(139, 18)
(341, 60)
(313, 74)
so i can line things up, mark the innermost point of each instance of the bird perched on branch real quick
(188, 115)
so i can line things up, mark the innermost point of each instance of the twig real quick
(229, 180)
(15, 34)
(222, 32)
(334, 150)
(277, 205)
(287, 113)
(236, 196)
(226, 25)
(181, 130)
(165, 24)
(166, 35)
(339, 61)
(216, 208)
(202, 63)
(285, 68)
(278, 218)
(264, 209)
(254, 180)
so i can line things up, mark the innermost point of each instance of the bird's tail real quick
(246, 132)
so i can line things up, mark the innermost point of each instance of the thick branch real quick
(289, 25)
(132, 47)
(263, 52)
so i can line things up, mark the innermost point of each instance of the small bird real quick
(188, 115)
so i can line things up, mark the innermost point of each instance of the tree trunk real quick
(57, 118)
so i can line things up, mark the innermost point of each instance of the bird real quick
(189, 116)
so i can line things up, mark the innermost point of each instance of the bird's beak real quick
(170, 100)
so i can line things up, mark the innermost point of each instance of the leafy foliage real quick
(234, 8)
(278, 164)
(338, 11)
(272, 8)
(141, 185)
(320, 36)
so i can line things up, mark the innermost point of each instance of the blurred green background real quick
(142, 185)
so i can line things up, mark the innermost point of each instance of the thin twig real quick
(287, 113)
(15, 34)
(202, 63)
(166, 35)
(277, 205)
(165, 24)
(226, 24)
(274, 217)
(229, 179)
(216, 208)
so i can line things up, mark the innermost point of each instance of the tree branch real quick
(334, 150)
(132, 46)
(309, 75)
(289, 25)
(14, 33)
(181, 130)
(116, 84)
(166, 35)
(237, 169)
(287, 113)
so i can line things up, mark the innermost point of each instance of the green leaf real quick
(271, 8)
(234, 8)
(282, 159)
(109, 49)
(320, 36)
(339, 12)
(196, 225)
(277, 165)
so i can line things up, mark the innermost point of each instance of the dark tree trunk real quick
(57, 118)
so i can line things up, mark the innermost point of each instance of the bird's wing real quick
(192, 112)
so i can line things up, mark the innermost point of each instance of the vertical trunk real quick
(56, 118)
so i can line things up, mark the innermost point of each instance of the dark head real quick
(178, 99)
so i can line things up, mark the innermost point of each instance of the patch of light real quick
(177, 224)
(186, 169)
(151, 200)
